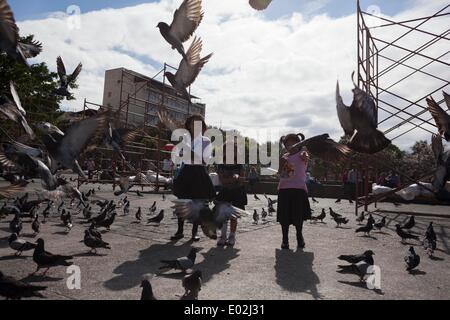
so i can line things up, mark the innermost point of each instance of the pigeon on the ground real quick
(380, 224)
(320, 217)
(126, 208)
(147, 290)
(185, 21)
(36, 225)
(255, 217)
(429, 242)
(139, 194)
(11, 288)
(93, 242)
(366, 229)
(93, 231)
(107, 223)
(410, 223)
(340, 220)
(263, 214)
(334, 214)
(361, 217)
(158, 218)
(152, 209)
(19, 245)
(183, 263)
(47, 260)
(367, 256)
(16, 224)
(138, 214)
(192, 284)
(412, 259)
(403, 234)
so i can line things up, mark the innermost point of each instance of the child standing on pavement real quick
(293, 204)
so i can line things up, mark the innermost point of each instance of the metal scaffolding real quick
(391, 55)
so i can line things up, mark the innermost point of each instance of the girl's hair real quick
(195, 117)
(292, 136)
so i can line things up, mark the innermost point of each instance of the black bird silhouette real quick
(412, 259)
(334, 214)
(255, 217)
(359, 122)
(138, 214)
(381, 224)
(185, 21)
(16, 224)
(107, 223)
(47, 260)
(192, 285)
(66, 80)
(367, 257)
(36, 225)
(19, 245)
(93, 242)
(430, 232)
(340, 220)
(139, 194)
(256, 197)
(361, 217)
(153, 207)
(158, 218)
(366, 229)
(429, 242)
(410, 223)
(370, 219)
(147, 290)
(93, 231)
(11, 288)
(263, 214)
(126, 208)
(320, 217)
(441, 118)
(403, 234)
(183, 263)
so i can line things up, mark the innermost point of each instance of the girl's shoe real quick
(285, 246)
(231, 240)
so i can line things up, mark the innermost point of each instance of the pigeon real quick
(255, 217)
(67, 221)
(403, 234)
(117, 139)
(19, 245)
(370, 219)
(256, 197)
(46, 211)
(367, 257)
(36, 225)
(192, 284)
(366, 229)
(16, 224)
(430, 232)
(107, 223)
(359, 122)
(93, 242)
(334, 214)
(147, 290)
(412, 259)
(164, 197)
(13, 110)
(263, 214)
(47, 260)
(380, 224)
(188, 69)
(442, 171)
(138, 214)
(10, 39)
(158, 218)
(259, 4)
(65, 80)
(185, 21)
(410, 223)
(11, 288)
(49, 128)
(94, 232)
(340, 220)
(139, 194)
(429, 243)
(153, 207)
(126, 208)
(124, 185)
(361, 217)
(9, 191)
(183, 263)
(87, 213)
(361, 269)
(320, 217)
(441, 118)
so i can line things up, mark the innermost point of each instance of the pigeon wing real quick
(447, 99)
(343, 113)
(188, 209)
(31, 50)
(16, 98)
(11, 190)
(8, 27)
(325, 148)
(185, 263)
(60, 67)
(75, 73)
(366, 105)
(437, 147)
(168, 121)
(186, 19)
(441, 118)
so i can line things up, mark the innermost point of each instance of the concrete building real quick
(140, 96)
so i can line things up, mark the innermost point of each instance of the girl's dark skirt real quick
(193, 182)
(236, 196)
(293, 207)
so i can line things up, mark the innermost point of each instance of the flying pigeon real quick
(49, 128)
(9, 37)
(11, 288)
(185, 21)
(117, 139)
(66, 80)
(188, 69)
(441, 118)
(14, 111)
(47, 260)
(412, 259)
(359, 122)
(183, 263)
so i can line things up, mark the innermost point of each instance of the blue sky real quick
(26, 10)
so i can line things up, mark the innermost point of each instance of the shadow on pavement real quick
(294, 272)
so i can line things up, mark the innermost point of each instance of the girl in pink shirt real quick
(293, 204)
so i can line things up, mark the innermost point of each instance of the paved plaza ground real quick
(256, 268)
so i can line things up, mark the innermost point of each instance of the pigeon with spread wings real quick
(324, 147)
(185, 21)
(359, 122)
(259, 4)
(442, 173)
(14, 111)
(441, 118)
(66, 80)
(116, 139)
(10, 39)
(65, 150)
(188, 69)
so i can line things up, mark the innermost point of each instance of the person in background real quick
(346, 186)
(231, 176)
(293, 204)
(311, 184)
(193, 181)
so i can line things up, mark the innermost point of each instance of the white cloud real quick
(278, 74)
